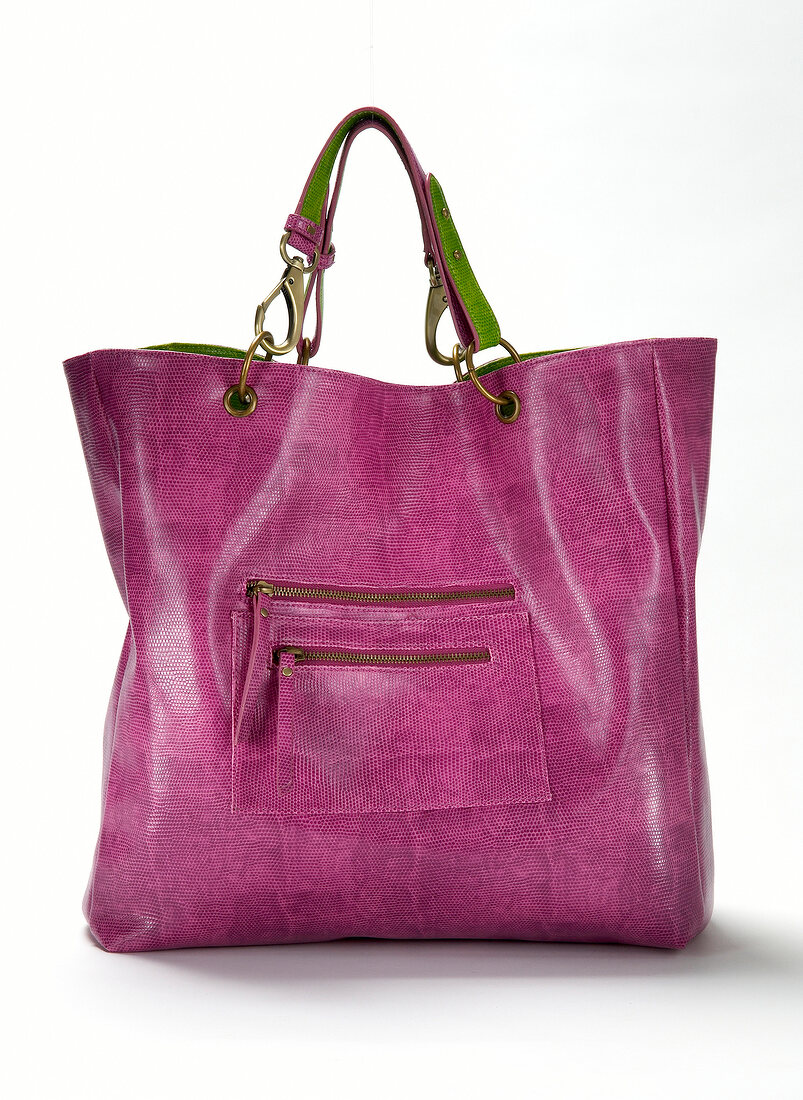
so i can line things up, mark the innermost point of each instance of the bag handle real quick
(309, 347)
(310, 227)
(323, 237)
(308, 223)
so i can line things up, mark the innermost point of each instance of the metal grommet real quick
(234, 404)
(509, 411)
(507, 404)
(241, 400)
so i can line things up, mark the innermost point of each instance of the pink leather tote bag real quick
(403, 661)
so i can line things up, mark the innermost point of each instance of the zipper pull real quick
(287, 657)
(295, 650)
(255, 590)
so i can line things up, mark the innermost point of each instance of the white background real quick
(617, 170)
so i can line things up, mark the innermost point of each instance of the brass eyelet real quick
(246, 399)
(239, 405)
(509, 411)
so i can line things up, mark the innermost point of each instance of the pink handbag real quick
(403, 661)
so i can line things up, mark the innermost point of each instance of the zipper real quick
(300, 654)
(258, 588)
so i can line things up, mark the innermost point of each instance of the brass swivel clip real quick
(291, 287)
(241, 400)
(436, 306)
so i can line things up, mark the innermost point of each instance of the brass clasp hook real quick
(241, 399)
(291, 287)
(436, 306)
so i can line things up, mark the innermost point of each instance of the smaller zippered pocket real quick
(296, 655)
(402, 711)
(290, 660)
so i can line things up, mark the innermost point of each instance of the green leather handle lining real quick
(462, 275)
(318, 184)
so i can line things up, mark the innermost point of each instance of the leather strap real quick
(310, 228)
(307, 223)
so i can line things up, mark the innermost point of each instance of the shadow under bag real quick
(403, 661)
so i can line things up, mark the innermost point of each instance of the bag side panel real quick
(101, 456)
(684, 385)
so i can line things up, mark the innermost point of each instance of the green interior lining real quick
(236, 353)
(202, 349)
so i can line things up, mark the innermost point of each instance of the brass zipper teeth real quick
(356, 596)
(347, 657)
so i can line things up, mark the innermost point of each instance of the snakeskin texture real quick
(556, 790)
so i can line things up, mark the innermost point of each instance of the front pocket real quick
(386, 714)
